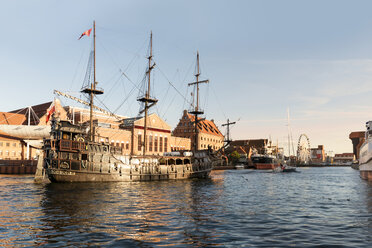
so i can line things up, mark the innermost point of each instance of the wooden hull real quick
(143, 174)
(265, 166)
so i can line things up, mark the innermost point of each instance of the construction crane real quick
(86, 103)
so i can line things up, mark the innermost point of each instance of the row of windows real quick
(210, 139)
(7, 153)
(8, 144)
(122, 145)
(206, 146)
(154, 143)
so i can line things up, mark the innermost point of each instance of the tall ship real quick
(365, 154)
(73, 153)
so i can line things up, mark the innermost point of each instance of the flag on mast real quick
(50, 111)
(87, 33)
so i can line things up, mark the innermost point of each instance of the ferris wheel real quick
(303, 149)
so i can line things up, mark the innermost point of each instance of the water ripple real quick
(319, 207)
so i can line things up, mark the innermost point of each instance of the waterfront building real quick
(343, 158)
(318, 155)
(209, 134)
(249, 146)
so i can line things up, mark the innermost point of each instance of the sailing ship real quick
(73, 154)
(365, 154)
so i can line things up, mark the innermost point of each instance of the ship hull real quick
(366, 171)
(265, 166)
(144, 174)
(365, 160)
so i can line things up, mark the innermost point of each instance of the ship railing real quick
(70, 145)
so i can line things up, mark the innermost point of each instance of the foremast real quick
(197, 111)
(146, 99)
(91, 89)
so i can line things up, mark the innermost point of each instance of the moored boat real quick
(265, 162)
(73, 153)
(365, 154)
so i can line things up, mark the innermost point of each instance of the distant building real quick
(19, 144)
(317, 155)
(343, 158)
(357, 138)
(209, 134)
(249, 145)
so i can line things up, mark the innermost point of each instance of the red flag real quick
(50, 111)
(87, 33)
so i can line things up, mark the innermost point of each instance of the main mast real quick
(91, 90)
(149, 102)
(197, 111)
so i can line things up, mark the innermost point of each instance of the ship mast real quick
(91, 90)
(149, 102)
(228, 124)
(197, 111)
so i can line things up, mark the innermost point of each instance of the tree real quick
(234, 157)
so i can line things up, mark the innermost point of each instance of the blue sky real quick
(261, 57)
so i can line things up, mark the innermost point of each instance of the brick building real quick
(317, 155)
(259, 145)
(209, 134)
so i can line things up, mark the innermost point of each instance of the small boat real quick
(287, 168)
(239, 167)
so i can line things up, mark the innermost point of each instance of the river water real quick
(313, 208)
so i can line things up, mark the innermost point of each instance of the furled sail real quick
(26, 132)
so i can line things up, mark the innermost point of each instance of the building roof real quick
(11, 118)
(40, 110)
(257, 143)
(205, 126)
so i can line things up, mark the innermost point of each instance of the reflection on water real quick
(319, 206)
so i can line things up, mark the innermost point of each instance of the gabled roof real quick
(11, 118)
(205, 126)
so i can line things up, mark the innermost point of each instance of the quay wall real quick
(18, 166)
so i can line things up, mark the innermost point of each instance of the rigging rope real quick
(172, 85)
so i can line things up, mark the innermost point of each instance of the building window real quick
(139, 142)
(14, 144)
(165, 144)
(20, 144)
(150, 143)
(161, 144)
(13, 153)
(127, 146)
(6, 153)
(156, 144)
(1, 153)
(7, 144)
(1, 143)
